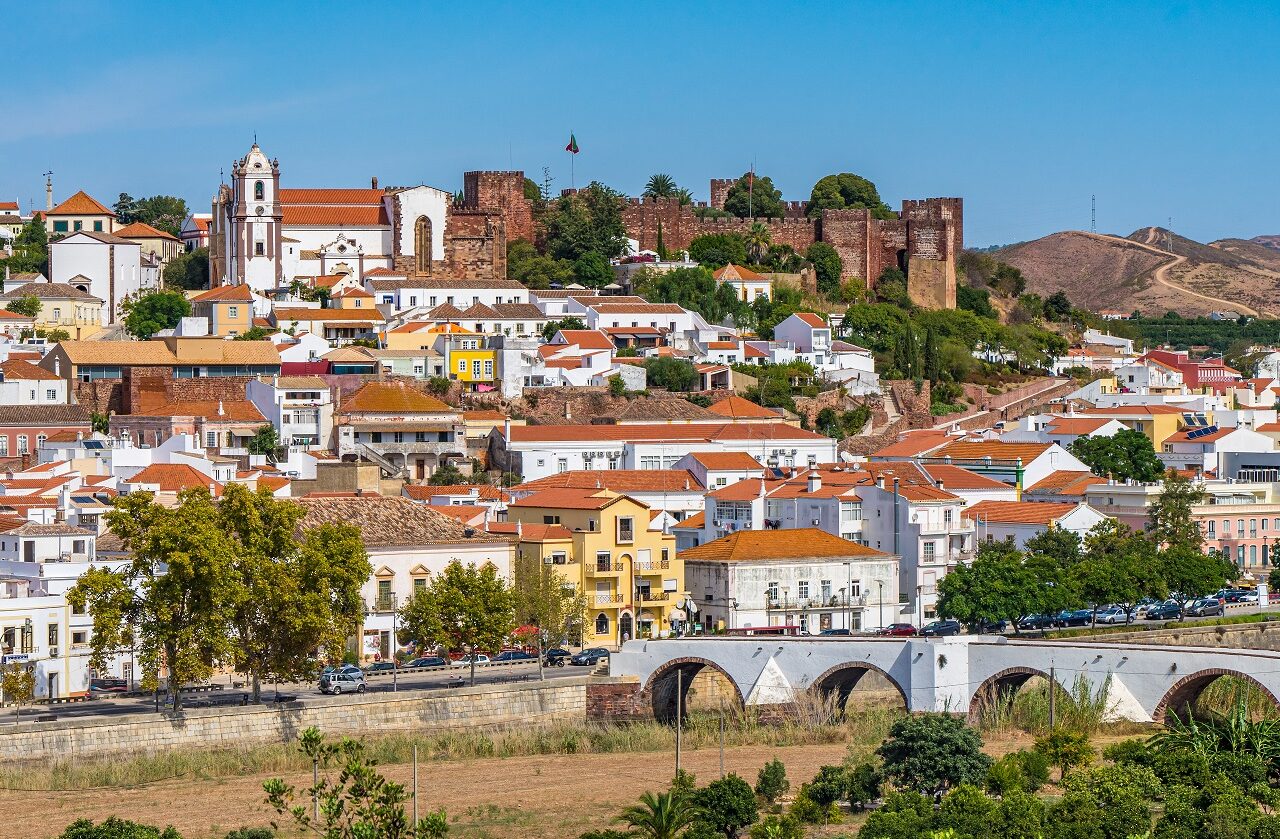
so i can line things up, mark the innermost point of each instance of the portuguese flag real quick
(572, 148)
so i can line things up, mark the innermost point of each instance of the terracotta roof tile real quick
(303, 315)
(46, 415)
(531, 532)
(340, 196)
(330, 216)
(637, 308)
(142, 230)
(813, 320)
(232, 410)
(157, 353)
(995, 449)
(230, 293)
(739, 408)
(1134, 410)
(174, 477)
(1064, 482)
(731, 273)
(955, 477)
(1076, 425)
(802, 543)
(701, 431)
(391, 521)
(1019, 512)
(18, 370)
(697, 521)
(48, 291)
(397, 398)
(80, 204)
(587, 339)
(421, 492)
(915, 444)
(569, 499)
(618, 480)
(726, 460)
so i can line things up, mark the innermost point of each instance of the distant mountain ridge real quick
(1153, 270)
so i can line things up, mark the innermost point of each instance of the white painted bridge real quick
(956, 674)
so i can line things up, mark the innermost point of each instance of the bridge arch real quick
(1180, 699)
(1000, 689)
(662, 684)
(840, 681)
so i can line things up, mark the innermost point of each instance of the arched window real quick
(602, 624)
(422, 244)
(259, 191)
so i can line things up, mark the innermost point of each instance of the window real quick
(666, 556)
(53, 394)
(57, 313)
(462, 365)
(929, 549)
(1253, 554)
(77, 610)
(233, 311)
(79, 639)
(259, 249)
(604, 561)
(59, 227)
(211, 439)
(947, 515)
(1240, 556)
(417, 369)
(97, 227)
(602, 624)
(40, 438)
(77, 225)
(562, 464)
(1212, 531)
(384, 591)
(419, 583)
(550, 519)
(475, 369)
(22, 444)
(802, 589)
(259, 190)
(488, 369)
(4, 445)
(771, 592)
(626, 529)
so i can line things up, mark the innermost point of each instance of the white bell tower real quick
(253, 240)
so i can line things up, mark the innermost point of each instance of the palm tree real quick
(758, 241)
(685, 196)
(661, 816)
(660, 186)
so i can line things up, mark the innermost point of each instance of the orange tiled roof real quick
(995, 449)
(738, 408)
(531, 532)
(1019, 512)
(704, 431)
(80, 204)
(142, 230)
(1077, 425)
(422, 492)
(18, 370)
(231, 293)
(327, 216)
(339, 197)
(227, 410)
(802, 543)
(1064, 482)
(914, 444)
(726, 460)
(733, 272)
(955, 477)
(569, 499)
(1207, 437)
(388, 398)
(174, 477)
(618, 480)
(302, 315)
(587, 339)
(1129, 410)
(813, 320)
(697, 521)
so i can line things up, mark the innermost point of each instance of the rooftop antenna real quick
(1093, 213)
(48, 190)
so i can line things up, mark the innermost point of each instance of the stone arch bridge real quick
(956, 675)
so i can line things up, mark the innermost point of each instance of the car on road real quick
(590, 657)
(1205, 607)
(1163, 612)
(428, 661)
(342, 681)
(465, 661)
(985, 627)
(381, 667)
(1036, 622)
(1074, 617)
(830, 632)
(1113, 614)
(941, 628)
(898, 630)
(515, 655)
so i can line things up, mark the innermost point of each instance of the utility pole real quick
(415, 786)
(395, 665)
(1053, 693)
(1093, 213)
(679, 714)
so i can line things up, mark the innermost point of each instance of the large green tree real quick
(671, 373)
(464, 607)
(300, 591)
(693, 288)
(998, 585)
(827, 266)
(163, 212)
(570, 323)
(1126, 455)
(930, 753)
(589, 220)
(189, 270)
(727, 804)
(30, 250)
(847, 191)
(661, 185)
(175, 602)
(758, 198)
(715, 250)
(534, 270)
(544, 600)
(29, 306)
(150, 313)
(1170, 520)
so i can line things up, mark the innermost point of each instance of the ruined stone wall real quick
(476, 245)
(501, 193)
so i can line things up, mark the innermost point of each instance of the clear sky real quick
(1023, 109)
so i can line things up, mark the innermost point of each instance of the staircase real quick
(391, 470)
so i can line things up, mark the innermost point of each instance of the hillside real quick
(1153, 270)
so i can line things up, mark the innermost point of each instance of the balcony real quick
(651, 565)
(385, 604)
(608, 599)
(604, 569)
(940, 528)
(795, 604)
(654, 597)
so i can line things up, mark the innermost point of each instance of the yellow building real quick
(469, 359)
(420, 335)
(77, 213)
(603, 543)
(165, 247)
(62, 306)
(228, 308)
(352, 298)
(1158, 422)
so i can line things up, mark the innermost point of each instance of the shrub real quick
(727, 804)
(808, 811)
(772, 781)
(1065, 750)
(931, 753)
(114, 828)
(778, 827)
(862, 785)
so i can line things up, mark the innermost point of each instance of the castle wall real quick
(501, 193)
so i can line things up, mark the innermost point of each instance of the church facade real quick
(265, 235)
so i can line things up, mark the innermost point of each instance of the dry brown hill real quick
(1153, 270)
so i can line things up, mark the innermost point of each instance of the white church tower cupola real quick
(253, 230)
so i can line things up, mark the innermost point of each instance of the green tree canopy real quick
(693, 288)
(1126, 455)
(592, 270)
(661, 185)
(163, 212)
(572, 322)
(663, 815)
(758, 199)
(116, 828)
(265, 441)
(464, 607)
(29, 305)
(727, 804)
(930, 753)
(543, 600)
(847, 191)
(976, 300)
(671, 373)
(998, 585)
(716, 250)
(189, 270)
(589, 220)
(30, 250)
(827, 266)
(1170, 521)
(152, 312)
(525, 265)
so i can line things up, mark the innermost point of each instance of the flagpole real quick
(572, 182)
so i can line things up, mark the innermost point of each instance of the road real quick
(307, 694)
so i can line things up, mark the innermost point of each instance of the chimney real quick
(814, 482)
(222, 412)
(373, 183)
(520, 529)
(880, 481)
(940, 485)
(506, 429)
(568, 412)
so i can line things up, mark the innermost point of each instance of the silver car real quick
(342, 681)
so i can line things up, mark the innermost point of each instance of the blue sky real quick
(1160, 109)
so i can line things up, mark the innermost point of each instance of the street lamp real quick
(880, 585)
(395, 642)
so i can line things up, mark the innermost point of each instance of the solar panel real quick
(93, 444)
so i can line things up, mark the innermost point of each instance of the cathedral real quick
(265, 235)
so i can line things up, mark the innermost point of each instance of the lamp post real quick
(880, 585)
(395, 642)
(848, 598)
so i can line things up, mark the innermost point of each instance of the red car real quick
(898, 630)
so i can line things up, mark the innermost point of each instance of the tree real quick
(716, 250)
(592, 270)
(299, 593)
(359, 804)
(827, 266)
(863, 786)
(17, 685)
(447, 475)
(772, 783)
(931, 357)
(828, 786)
(999, 585)
(589, 220)
(544, 601)
(115, 828)
(891, 287)
(1190, 574)
(660, 185)
(265, 441)
(152, 312)
(100, 423)
(931, 753)
(1065, 750)
(693, 288)
(778, 827)
(1169, 521)
(163, 212)
(29, 306)
(1062, 546)
(464, 606)
(1126, 455)
(659, 816)
(906, 354)
(175, 602)
(30, 252)
(534, 270)
(189, 270)
(1008, 280)
(1057, 306)
(758, 240)
(975, 300)
(753, 196)
(254, 333)
(847, 191)
(727, 804)
(571, 323)
(671, 373)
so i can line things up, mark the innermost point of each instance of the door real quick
(624, 628)
(53, 686)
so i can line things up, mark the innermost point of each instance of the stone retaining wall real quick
(1240, 636)
(486, 707)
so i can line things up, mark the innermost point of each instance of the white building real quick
(1199, 448)
(300, 408)
(103, 265)
(1018, 521)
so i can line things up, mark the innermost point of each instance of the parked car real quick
(1113, 614)
(1074, 617)
(985, 627)
(341, 668)
(515, 655)
(465, 661)
(1037, 622)
(428, 661)
(898, 630)
(1249, 597)
(590, 657)
(1163, 612)
(829, 632)
(342, 681)
(941, 628)
(1205, 607)
(108, 684)
(381, 667)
